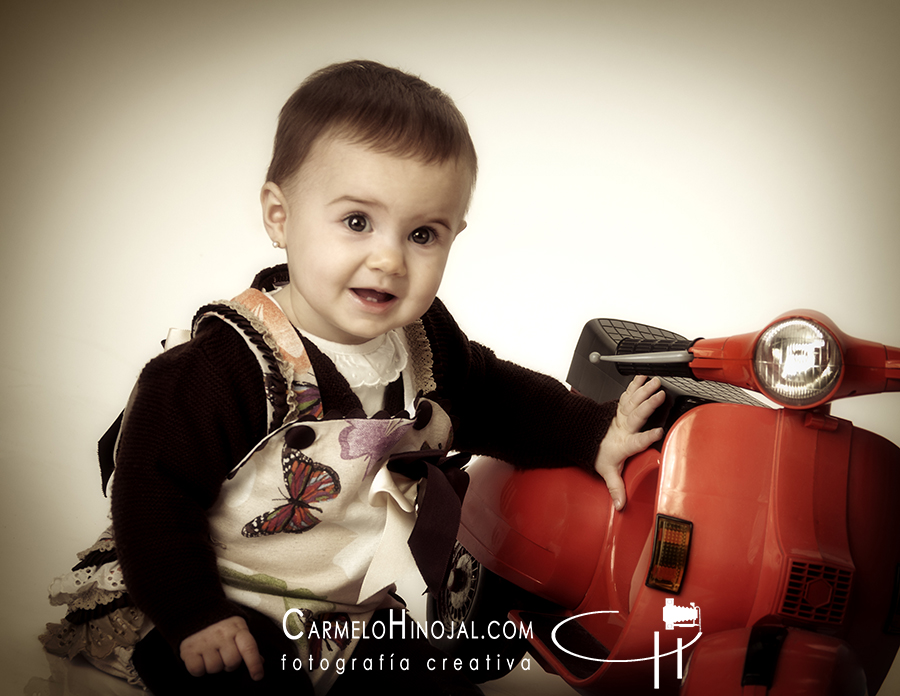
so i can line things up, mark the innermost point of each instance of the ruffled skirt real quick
(101, 625)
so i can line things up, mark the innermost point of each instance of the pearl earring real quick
(276, 245)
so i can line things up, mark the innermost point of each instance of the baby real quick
(260, 470)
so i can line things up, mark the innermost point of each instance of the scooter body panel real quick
(794, 522)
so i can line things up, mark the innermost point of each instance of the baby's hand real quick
(624, 437)
(223, 645)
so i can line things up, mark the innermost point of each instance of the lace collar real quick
(375, 363)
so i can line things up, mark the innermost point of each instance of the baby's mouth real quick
(373, 296)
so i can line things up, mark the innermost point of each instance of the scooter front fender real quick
(542, 529)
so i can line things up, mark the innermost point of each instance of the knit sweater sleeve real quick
(199, 409)
(507, 411)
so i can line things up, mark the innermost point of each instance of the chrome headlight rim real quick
(798, 372)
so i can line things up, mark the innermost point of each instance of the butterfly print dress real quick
(313, 520)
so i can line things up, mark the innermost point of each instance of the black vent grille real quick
(816, 592)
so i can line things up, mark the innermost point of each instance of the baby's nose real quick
(387, 256)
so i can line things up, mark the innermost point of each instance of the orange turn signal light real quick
(670, 553)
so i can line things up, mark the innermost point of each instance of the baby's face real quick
(367, 237)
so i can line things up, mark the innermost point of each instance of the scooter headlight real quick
(797, 362)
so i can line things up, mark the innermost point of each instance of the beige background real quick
(701, 166)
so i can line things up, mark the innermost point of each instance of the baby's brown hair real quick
(370, 104)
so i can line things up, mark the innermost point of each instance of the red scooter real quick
(759, 552)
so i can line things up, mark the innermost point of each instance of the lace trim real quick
(422, 357)
(105, 542)
(87, 588)
(107, 642)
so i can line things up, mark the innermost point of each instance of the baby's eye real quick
(422, 235)
(357, 222)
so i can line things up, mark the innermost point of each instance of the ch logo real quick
(673, 616)
(680, 617)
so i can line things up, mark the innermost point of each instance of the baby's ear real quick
(274, 211)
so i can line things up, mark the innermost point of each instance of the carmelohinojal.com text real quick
(397, 627)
